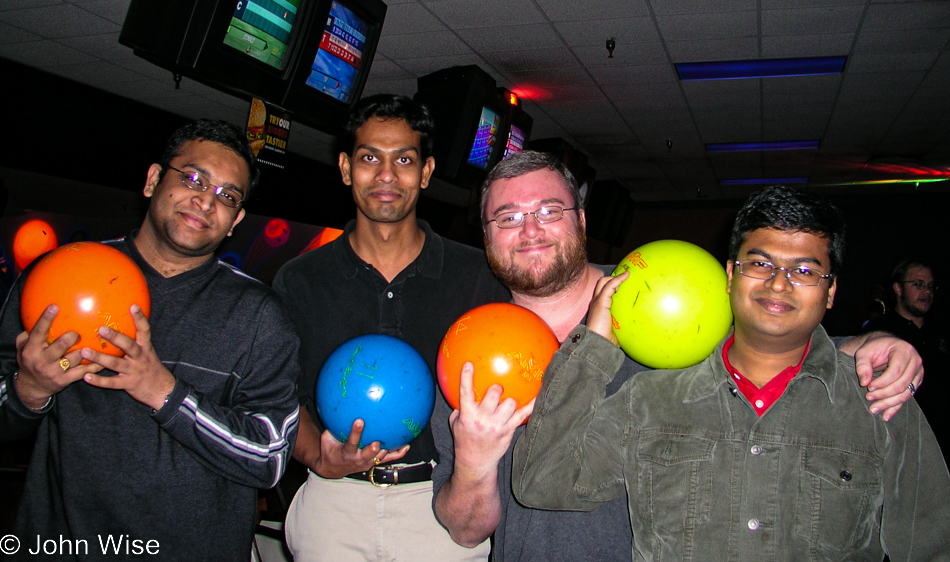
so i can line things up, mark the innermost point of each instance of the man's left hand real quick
(902, 367)
(140, 373)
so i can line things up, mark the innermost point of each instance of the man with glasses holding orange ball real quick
(159, 453)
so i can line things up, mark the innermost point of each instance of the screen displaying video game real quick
(261, 29)
(337, 64)
(485, 138)
(515, 141)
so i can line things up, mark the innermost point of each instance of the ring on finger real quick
(912, 388)
(64, 363)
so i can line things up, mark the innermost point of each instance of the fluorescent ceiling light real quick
(763, 181)
(757, 146)
(760, 68)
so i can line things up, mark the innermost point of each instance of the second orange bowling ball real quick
(508, 345)
(94, 285)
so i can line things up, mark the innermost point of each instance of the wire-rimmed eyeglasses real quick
(800, 275)
(544, 215)
(227, 196)
(920, 284)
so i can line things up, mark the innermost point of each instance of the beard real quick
(915, 308)
(539, 279)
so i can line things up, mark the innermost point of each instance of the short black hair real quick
(523, 163)
(781, 208)
(389, 106)
(212, 130)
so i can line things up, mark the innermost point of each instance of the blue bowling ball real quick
(381, 380)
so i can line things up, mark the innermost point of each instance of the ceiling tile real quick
(523, 60)
(511, 37)
(639, 53)
(428, 65)
(54, 22)
(670, 7)
(10, 34)
(907, 15)
(807, 45)
(736, 48)
(627, 32)
(896, 62)
(558, 10)
(721, 25)
(902, 41)
(416, 45)
(811, 21)
(103, 46)
(411, 18)
(43, 54)
(464, 14)
(634, 74)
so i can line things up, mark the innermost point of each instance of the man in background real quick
(159, 453)
(915, 287)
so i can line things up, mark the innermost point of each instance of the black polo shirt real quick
(334, 296)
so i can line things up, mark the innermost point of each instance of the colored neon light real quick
(760, 68)
(759, 146)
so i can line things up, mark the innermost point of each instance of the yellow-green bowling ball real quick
(673, 309)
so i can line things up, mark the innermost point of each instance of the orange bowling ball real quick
(93, 285)
(508, 345)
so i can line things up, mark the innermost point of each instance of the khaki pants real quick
(351, 520)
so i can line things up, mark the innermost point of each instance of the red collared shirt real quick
(762, 398)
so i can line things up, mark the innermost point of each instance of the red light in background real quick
(529, 93)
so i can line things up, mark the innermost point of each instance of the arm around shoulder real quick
(571, 422)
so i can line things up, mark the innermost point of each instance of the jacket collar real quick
(820, 363)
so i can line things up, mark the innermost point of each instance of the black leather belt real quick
(384, 476)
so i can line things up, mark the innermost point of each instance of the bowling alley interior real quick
(669, 113)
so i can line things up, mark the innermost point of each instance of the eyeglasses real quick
(920, 285)
(227, 196)
(800, 275)
(544, 215)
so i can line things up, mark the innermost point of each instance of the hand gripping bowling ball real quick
(507, 344)
(673, 309)
(94, 285)
(381, 380)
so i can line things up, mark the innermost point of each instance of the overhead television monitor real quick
(518, 124)
(259, 48)
(335, 63)
(470, 121)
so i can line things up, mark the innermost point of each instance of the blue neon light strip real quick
(763, 181)
(759, 146)
(761, 68)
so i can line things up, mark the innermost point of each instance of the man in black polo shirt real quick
(388, 274)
